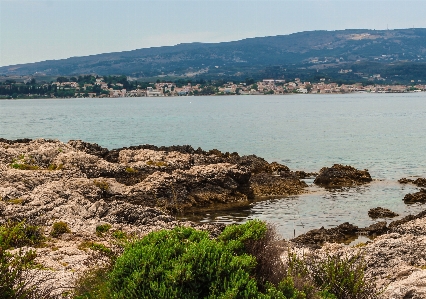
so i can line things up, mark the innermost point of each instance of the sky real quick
(37, 30)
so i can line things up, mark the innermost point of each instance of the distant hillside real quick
(394, 52)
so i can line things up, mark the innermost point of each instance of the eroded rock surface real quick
(342, 176)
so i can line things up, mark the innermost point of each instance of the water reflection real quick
(296, 215)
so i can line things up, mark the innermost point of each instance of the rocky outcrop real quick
(342, 176)
(415, 197)
(420, 182)
(174, 177)
(381, 213)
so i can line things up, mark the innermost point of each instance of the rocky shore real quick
(134, 190)
(138, 189)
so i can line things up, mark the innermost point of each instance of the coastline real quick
(138, 189)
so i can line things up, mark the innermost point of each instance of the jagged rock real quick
(342, 176)
(381, 213)
(264, 184)
(415, 197)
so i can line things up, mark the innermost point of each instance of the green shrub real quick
(243, 262)
(131, 170)
(18, 234)
(59, 228)
(119, 235)
(103, 185)
(103, 228)
(96, 246)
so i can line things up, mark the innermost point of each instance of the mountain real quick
(361, 51)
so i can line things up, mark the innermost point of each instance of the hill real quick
(392, 53)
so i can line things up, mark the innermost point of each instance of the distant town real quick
(90, 86)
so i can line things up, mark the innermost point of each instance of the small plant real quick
(103, 228)
(119, 235)
(131, 170)
(59, 228)
(156, 163)
(15, 201)
(103, 185)
(53, 167)
(95, 246)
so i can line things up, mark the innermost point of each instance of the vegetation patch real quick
(18, 234)
(59, 228)
(103, 228)
(243, 262)
(156, 163)
(24, 163)
(95, 246)
(131, 170)
(103, 185)
(55, 167)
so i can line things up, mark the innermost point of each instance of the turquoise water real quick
(384, 133)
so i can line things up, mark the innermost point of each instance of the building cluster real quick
(266, 86)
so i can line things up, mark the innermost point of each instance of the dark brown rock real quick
(381, 213)
(415, 197)
(342, 176)
(376, 229)
(316, 237)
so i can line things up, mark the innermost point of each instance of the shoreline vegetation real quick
(89, 86)
(81, 221)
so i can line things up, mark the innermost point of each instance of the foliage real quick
(103, 228)
(103, 185)
(17, 234)
(55, 167)
(243, 262)
(340, 276)
(59, 228)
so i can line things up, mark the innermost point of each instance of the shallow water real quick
(381, 132)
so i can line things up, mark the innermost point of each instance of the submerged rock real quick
(342, 176)
(381, 213)
(420, 182)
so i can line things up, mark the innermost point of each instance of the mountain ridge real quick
(310, 50)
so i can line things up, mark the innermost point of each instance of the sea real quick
(384, 133)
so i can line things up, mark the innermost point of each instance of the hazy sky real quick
(36, 30)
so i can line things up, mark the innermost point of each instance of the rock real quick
(415, 197)
(381, 213)
(264, 184)
(420, 182)
(317, 237)
(342, 176)
(375, 229)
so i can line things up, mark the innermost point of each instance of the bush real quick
(18, 234)
(243, 262)
(59, 228)
(103, 228)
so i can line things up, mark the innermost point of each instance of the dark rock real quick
(89, 148)
(264, 184)
(342, 176)
(316, 237)
(415, 197)
(420, 182)
(376, 229)
(381, 213)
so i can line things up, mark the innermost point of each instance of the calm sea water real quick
(384, 133)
